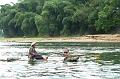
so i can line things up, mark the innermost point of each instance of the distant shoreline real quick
(85, 38)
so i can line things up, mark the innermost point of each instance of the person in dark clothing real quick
(68, 57)
(33, 54)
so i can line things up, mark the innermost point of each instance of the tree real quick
(28, 25)
(108, 17)
(41, 26)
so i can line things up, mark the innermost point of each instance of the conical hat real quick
(33, 43)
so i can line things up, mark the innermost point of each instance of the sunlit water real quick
(97, 61)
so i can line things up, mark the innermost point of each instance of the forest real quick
(32, 18)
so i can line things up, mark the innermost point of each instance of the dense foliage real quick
(59, 17)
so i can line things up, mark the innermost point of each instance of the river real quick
(97, 61)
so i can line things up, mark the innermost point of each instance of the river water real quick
(97, 61)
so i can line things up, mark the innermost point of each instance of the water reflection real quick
(98, 61)
(104, 58)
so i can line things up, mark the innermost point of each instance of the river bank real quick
(85, 38)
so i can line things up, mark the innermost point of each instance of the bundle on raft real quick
(71, 58)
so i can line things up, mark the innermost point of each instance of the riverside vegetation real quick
(60, 17)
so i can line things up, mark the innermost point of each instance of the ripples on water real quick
(99, 61)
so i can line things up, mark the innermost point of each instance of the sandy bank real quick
(85, 38)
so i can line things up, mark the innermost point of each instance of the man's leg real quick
(38, 57)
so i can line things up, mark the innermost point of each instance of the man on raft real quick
(68, 57)
(34, 55)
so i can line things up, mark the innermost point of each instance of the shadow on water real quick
(104, 58)
(97, 61)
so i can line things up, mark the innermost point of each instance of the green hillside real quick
(60, 17)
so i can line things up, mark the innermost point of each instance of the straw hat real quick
(33, 43)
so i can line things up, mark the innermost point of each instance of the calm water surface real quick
(98, 61)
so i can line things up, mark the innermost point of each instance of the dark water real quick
(98, 61)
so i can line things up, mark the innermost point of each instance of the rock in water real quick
(12, 59)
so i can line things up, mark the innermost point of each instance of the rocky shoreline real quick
(85, 38)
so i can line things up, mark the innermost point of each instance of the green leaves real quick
(59, 17)
(107, 17)
(41, 25)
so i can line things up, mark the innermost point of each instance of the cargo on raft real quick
(71, 58)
